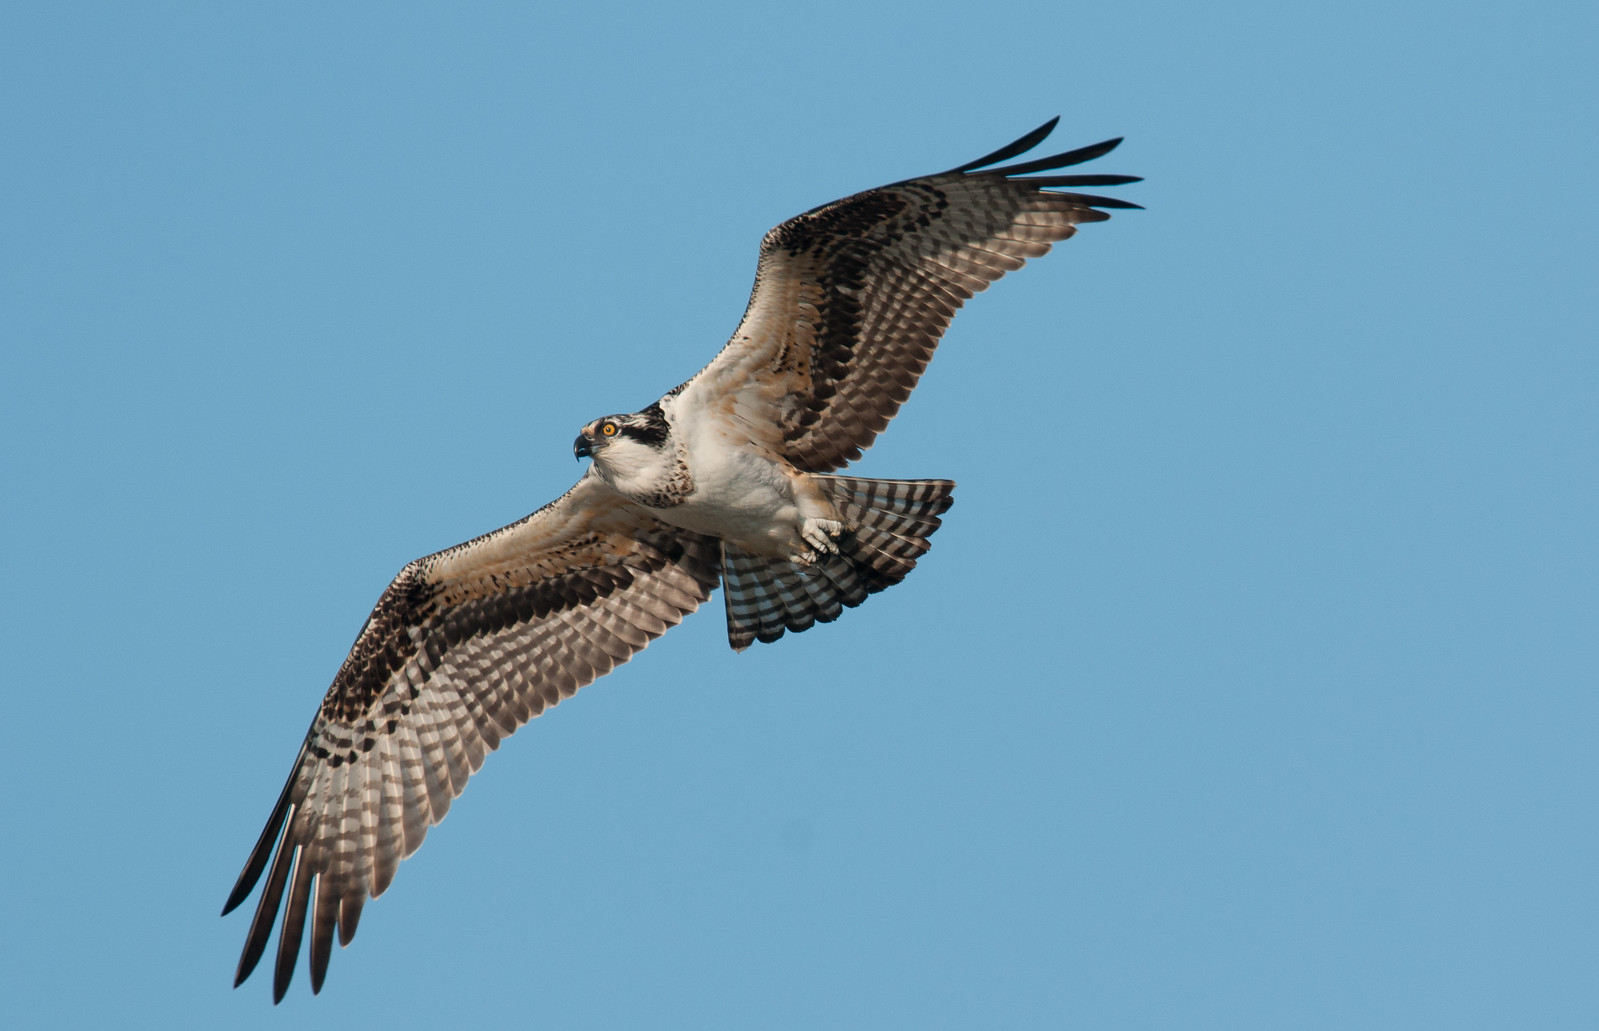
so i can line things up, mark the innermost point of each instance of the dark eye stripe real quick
(649, 428)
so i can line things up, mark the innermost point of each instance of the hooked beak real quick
(582, 447)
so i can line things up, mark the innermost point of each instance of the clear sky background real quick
(1251, 682)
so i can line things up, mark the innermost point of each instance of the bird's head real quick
(620, 433)
(596, 435)
(632, 452)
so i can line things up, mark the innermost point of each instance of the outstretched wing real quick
(464, 647)
(851, 298)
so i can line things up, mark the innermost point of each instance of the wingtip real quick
(248, 961)
(1010, 150)
(264, 845)
(241, 891)
(349, 918)
(1109, 202)
(283, 973)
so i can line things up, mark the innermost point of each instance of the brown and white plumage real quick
(851, 298)
(463, 647)
(721, 480)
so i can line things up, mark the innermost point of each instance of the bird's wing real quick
(463, 647)
(851, 298)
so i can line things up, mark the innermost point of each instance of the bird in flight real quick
(728, 479)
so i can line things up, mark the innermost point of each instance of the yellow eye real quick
(609, 429)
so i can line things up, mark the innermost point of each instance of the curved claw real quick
(822, 535)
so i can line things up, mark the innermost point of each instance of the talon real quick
(822, 534)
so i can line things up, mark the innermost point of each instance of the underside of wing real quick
(462, 649)
(851, 298)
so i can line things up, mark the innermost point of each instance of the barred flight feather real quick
(883, 273)
(356, 809)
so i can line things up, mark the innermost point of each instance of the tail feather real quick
(830, 593)
(891, 556)
(886, 526)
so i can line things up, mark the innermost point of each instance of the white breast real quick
(742, 493)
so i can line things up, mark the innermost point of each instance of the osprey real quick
(726, 479)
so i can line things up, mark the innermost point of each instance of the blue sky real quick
(1250, 682)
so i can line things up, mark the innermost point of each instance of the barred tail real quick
(886, 526)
